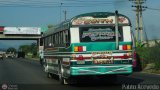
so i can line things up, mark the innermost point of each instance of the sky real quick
(37, 13)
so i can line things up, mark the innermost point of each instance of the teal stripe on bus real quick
(98, 46)
(93, 46)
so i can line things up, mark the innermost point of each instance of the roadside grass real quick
(32, 58)
(152, 71)
(149, 58)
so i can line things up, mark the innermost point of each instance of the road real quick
(25, 74)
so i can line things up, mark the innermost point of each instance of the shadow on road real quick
(107, 82)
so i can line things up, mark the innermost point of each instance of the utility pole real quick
(139, 19)
(60, 11)
(65, 15)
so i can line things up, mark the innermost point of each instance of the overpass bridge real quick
(19, 37)
(22, 33)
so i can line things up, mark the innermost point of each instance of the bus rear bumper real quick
(101, 70)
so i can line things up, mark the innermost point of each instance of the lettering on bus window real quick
(98, 34)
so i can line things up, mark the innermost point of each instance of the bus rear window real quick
(99, 34)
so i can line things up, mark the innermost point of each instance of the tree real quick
(34, 49)
(25, 48)
(29, 49)
(11, 50)
(50, 26)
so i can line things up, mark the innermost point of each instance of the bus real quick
(90, 44)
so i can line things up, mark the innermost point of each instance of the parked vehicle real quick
(1, 56)
(21, 54)
(9, 55)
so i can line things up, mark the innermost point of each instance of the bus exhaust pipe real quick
(116, 29)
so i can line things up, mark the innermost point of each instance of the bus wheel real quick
(61, 78)
(49, 75)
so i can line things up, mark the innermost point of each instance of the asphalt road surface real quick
(25, 74)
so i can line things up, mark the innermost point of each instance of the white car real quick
(9, 55)
(1, 56)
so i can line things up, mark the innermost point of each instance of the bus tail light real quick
(80, 48)
(128, 47)
(76, 48)
(125, 47)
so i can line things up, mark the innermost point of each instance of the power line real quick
(52, 4)
(24, 2)
(154, 9)
(49, 2)
(43, 6)
(14, 4)
(33, 2)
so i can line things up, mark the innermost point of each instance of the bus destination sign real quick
(90, 20)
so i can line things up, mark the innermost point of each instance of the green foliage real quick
(150, 55)
(25, 48)
(33, 48)
(29, 49)
(50, 26)
(11, 49)
(139, 44)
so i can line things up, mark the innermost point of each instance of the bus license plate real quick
(96, 61)
(81, 62)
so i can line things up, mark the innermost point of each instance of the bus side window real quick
(56, 39)
(64, 38)
(53, 39)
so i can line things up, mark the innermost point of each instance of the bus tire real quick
(62, 80)
(49, 75)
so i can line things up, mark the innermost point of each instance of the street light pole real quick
(61, 11)
(65, 15)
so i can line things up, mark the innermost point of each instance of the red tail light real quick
(80, 48)
(124, 47)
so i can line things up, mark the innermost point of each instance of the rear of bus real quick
(94, 46)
